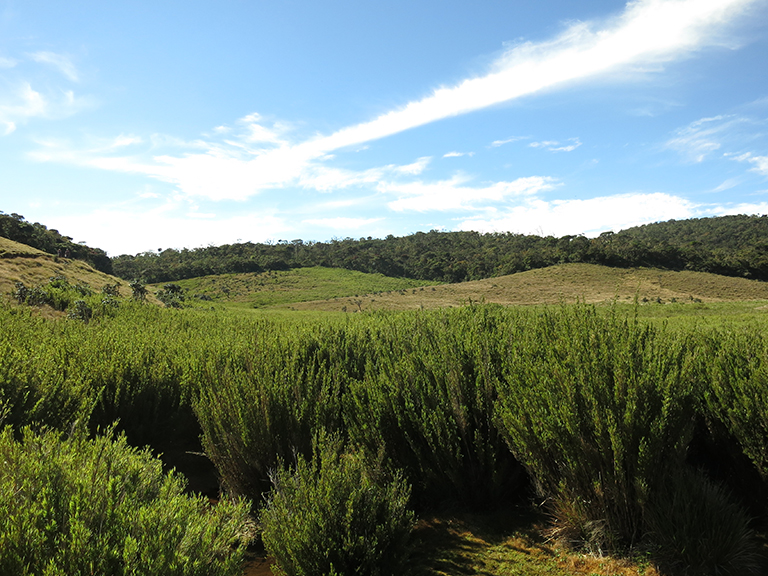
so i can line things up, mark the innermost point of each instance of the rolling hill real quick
(337, 289)
(564, 283)
(22, 263)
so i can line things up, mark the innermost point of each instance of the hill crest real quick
(22, 263)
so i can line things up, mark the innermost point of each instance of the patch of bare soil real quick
(257, 563)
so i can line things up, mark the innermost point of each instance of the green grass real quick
(505, 542)
(687, 315)
(285, 287)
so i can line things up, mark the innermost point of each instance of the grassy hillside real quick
(22, 263)
(276, 288)
(563, 283)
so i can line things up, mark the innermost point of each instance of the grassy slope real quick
(562, 284)
(286, 288)
(22, 263)
(336, 290)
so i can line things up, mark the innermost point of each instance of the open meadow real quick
(624, 434)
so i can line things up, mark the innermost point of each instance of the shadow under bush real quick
(695, 527)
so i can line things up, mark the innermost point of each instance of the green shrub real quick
(262, 401)
(596, 408)
(77, 506)
(36, 380)
(738, 391)
(80, 311)
(427, 401)
(694, 527)
(79, 301)
(337, 515)
(172, 295)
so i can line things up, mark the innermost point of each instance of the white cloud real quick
(62, 63)
(727, 184)
(701, 137)
(7, 62)
(415, 168)
(342, 223)
(554, 146)
(590, 217)
(123, 140)
(327, 179)
(760, 162)
(22, 102)
(497, 143)
(567, 147)
(647, 31)
(258, 154)
(25, 103)
(454, 194)
(754, 208)
(257, 132)
(120, 230)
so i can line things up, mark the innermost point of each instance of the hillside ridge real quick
(727, 245)
(33, 267)
(563, 283)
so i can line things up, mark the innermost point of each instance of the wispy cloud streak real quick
(647, 31)
(256, 156)
(62, 63)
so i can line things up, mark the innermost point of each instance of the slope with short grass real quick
(275, 288)
(22, 263)
(565, 283)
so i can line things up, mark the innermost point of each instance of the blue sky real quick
(138, 125)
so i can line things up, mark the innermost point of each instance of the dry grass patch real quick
(565, 283)
(505, 543)
(22, 263)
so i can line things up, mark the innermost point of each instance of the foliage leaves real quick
(337, 514)
(76, 506)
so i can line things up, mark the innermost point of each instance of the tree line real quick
(727, 245)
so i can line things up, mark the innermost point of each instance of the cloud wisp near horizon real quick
(258, 156)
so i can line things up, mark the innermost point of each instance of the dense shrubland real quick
(590, 412)
(337, 513)
(728, 245)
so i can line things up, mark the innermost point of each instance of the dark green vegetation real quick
(635, 438)
(337, 514)
(79, 301)
(728, 245)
